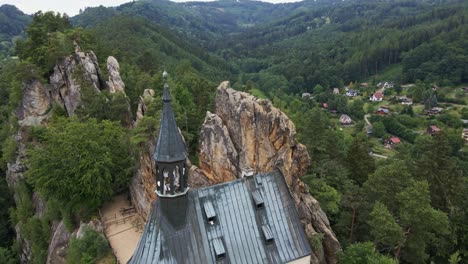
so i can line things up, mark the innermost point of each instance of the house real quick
(404, 100)
(382, 111)
(248, 220)
(465, 134)
(336, 90)
(345, 120)
(364, 84)
(434, 111)
(325, 105)
(351, 93)
(306, 95)
(376, 97)
(433, 130)
(385, 85)
(393, 141)
(435, 87)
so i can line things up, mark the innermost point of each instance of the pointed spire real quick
(170, 146)
(166, 94)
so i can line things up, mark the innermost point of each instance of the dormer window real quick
(218, 247)
(267, 234)
(209, 212)
(258, 199)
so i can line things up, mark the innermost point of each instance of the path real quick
(378, 155)
(367, 120)
(123, 229)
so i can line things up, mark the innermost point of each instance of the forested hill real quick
(352, 41)
(12, 24)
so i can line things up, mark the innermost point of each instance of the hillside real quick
(12, 24)
(375, 92)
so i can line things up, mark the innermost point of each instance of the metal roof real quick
(170, 146)
(179, 232)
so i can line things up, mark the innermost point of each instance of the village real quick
(396, 114)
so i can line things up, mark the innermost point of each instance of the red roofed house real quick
(393, 141)
(376, 97)
(433, 130)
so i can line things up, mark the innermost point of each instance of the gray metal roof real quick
(170, 146)
(178, 230)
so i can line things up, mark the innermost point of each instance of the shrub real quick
(88, 249)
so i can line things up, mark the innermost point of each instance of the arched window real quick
(176, 178)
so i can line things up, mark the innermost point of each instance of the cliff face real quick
(34, 109)
(247, 134)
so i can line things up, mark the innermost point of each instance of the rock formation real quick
(65, 87)
(248, 134)
(35, 103)
(58, 244)
(115, 83)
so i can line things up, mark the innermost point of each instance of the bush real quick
(80, 164)
(88, 249)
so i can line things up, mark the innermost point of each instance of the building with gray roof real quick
(248, 220)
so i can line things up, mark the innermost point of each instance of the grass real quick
(257, 93)
(379, 148)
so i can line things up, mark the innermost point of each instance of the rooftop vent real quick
(218, 247)
(209, 211)
(258, 199)
(267, 234)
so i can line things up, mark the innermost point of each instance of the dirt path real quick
(123, 228)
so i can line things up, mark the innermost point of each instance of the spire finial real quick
(166, 95)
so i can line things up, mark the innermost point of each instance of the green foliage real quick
(359, 163)
(80, 164)
(87, 249)
(46, 42)
(9, 147)
(8, 256)
(328, 197)
(384, 228)
(364, 253)
(6, 202)
(378, 130)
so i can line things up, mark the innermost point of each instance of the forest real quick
(409, 207)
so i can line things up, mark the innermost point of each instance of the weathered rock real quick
(115, 83)
(39, 205)
(148, 96)
(215, 137)
(25, 253)
(247, 133)
(264, 137)
(143, 183)
(94, 225)
(35, 104)
(58, 244)
(65, 87)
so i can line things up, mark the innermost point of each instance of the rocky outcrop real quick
(65, 80)
(247, 134)
(143, 183)
(58, 244)
(148, 96)
(221, 161)
(115, 83)
(35, 104)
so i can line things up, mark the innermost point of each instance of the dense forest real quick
(409, 207)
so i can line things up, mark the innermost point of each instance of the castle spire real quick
(170, 154)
